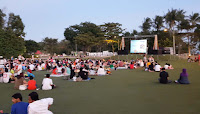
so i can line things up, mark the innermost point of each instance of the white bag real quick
(74, 78)
(22, 87)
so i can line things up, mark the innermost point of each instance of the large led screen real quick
(138, 46)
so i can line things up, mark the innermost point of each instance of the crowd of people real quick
(20, 72)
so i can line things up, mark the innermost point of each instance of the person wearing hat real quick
(47, 83)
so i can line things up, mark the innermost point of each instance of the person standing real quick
(19, 68)
(18, 107)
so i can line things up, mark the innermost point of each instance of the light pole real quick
(174, 45)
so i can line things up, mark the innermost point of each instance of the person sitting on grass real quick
(183, 78)
(59, 69)
(101, 71)
(166, 66)
(92, 72)
(19, 81)
(37, 106)
(157, 67)
(29, 70)
(170, 66)
(131, 66)
(39, 67)
(121, 63)
(18, 107)
(31, 84)
(6, 76)
(164, 77)
(83, 74)
(47, 83)
(12, 78)
(54, 72)
(151, 67)
(112, 66)
(68, 71)
(147, 64)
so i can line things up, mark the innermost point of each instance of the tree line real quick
(88, 36)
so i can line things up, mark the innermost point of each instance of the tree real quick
(135, 32)
(31, 46)
(64, 47)
(173, 19)
(146, 26)
(158, 22)
(194, 20)
(2, 20)
(70, 33)
(50, 45)
(16, 25)
(11, 41)
(83, 28)
(111, 32)
(85, 40)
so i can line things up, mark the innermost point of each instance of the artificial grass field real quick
(123, 92)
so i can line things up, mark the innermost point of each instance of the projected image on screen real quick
(138, 46)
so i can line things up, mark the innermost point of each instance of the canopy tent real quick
(38, 52)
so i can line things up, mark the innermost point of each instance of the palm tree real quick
(194, 20)
(146, 26)
(185, 25)
(158, 22)
(172, 19)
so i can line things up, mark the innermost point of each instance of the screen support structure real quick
(155, 47)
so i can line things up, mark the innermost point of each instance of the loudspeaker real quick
(122, 52)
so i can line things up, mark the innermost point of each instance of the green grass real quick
(125, 91)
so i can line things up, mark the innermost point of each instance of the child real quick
(32, 84)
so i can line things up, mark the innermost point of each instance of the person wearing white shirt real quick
(19, 68)
(1, 62)
(6, 76)
(157, 68)
(43, 66)
(47, 83)
(166, 66)
(32, 67)
(39, 67)
(59, 68)
(141, 63)
(37, 106)
(101, 71)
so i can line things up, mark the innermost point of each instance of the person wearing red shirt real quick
(31, 84)
(131, 65)
(29, 70)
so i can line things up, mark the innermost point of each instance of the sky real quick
(49, 18)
